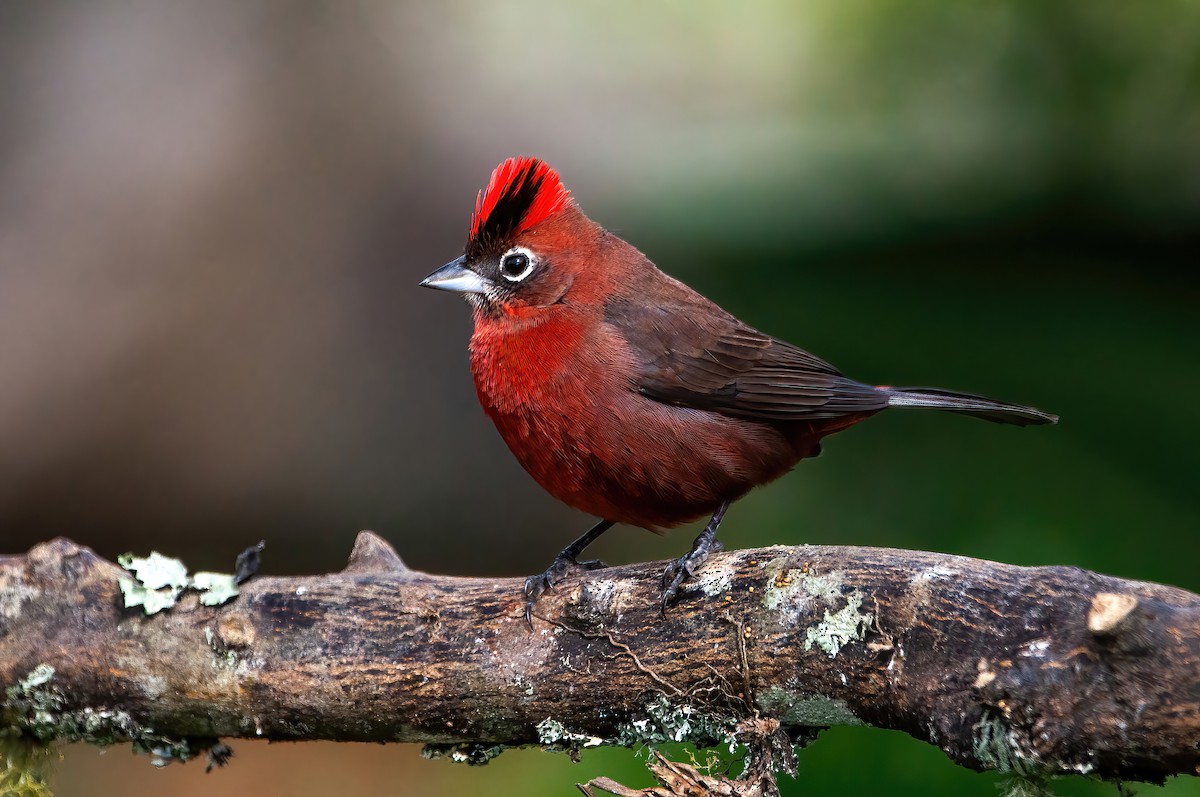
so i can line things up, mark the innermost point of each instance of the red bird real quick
(624, 392)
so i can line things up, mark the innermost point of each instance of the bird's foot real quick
(562, 567)
(684, 569)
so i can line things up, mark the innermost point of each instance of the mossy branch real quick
(1034, 671)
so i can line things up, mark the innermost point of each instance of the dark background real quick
(213, 216)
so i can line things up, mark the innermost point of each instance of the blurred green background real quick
(213, 216)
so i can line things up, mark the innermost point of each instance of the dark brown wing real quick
(692, 353)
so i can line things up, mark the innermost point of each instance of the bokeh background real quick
(213, 216)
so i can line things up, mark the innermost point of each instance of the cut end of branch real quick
(373, 554)
(1109, 611)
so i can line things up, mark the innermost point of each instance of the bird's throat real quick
(514, 361)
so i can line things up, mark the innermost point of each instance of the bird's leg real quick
(564, 564)
(684, 567)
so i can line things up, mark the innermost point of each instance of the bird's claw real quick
(684, 569)
(672, 577)
(556, 572)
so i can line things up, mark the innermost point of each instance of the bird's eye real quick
(517, 264)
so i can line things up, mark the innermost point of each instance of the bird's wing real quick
(690, 352)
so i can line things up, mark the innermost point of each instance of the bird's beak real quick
(455, 277)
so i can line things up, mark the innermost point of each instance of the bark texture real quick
(1036, 671)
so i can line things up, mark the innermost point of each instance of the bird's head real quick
(528, 242)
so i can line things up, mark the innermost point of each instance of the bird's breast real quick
(519, 368)
(564, 400)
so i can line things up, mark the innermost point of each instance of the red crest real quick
(521, 193)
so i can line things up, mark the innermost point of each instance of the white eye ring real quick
(522, 253)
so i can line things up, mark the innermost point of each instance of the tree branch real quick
(1037, 671)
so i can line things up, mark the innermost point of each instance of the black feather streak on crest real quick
(505, 216)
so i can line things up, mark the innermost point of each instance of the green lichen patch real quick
(152, 601)
(37, 709)
(659, 722)
(553, 734)
(665, 721)
(33, 703)
(788, 591)
(155, 571)
(38, 676)
(160, 580)
(846, 625)
(469, 753)
(805, 711)
(215, 588)
(996, 748)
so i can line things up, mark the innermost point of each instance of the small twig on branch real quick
(1035, 671)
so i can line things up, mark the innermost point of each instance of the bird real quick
(630, 396)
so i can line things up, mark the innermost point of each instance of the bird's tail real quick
(967, 404)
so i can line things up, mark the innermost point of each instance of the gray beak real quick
(454, 277)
